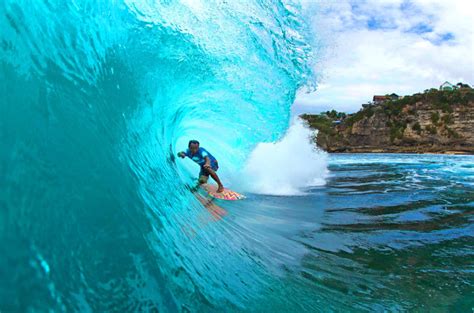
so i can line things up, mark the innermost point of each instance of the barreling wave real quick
(97, 98)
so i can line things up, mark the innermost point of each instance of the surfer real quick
(207, 162)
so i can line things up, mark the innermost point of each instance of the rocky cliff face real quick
(436, 121)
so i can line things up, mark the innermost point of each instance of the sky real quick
(378, 47)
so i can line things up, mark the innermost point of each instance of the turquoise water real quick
(96, 213)
(387, 233)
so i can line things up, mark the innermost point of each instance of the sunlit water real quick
(388, 232)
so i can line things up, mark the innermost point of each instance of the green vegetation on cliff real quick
(429, 121)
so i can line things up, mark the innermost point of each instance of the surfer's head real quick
(193, 146)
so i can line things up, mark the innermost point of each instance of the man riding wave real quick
(208, 163)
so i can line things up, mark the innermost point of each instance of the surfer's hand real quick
(181, 155)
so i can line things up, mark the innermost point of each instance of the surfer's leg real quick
(203, 179)
(214, 176)
(203, 176)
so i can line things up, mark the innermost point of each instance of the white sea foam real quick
(286, 167)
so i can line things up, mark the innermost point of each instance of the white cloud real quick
(380, 47)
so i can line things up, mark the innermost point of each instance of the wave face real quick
(97, 98)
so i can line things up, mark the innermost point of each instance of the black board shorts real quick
(204, 172)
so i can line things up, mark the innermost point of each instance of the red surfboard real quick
(226, 194)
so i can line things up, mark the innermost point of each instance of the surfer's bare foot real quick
(220, 189)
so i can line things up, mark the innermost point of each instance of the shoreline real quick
(382, 151)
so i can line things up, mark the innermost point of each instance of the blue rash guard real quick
(199, 158)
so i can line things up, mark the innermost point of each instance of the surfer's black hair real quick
(192, 142)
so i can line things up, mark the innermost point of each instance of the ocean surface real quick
(386, 233)
(98, 215)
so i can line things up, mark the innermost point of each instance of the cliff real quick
(432, 122)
